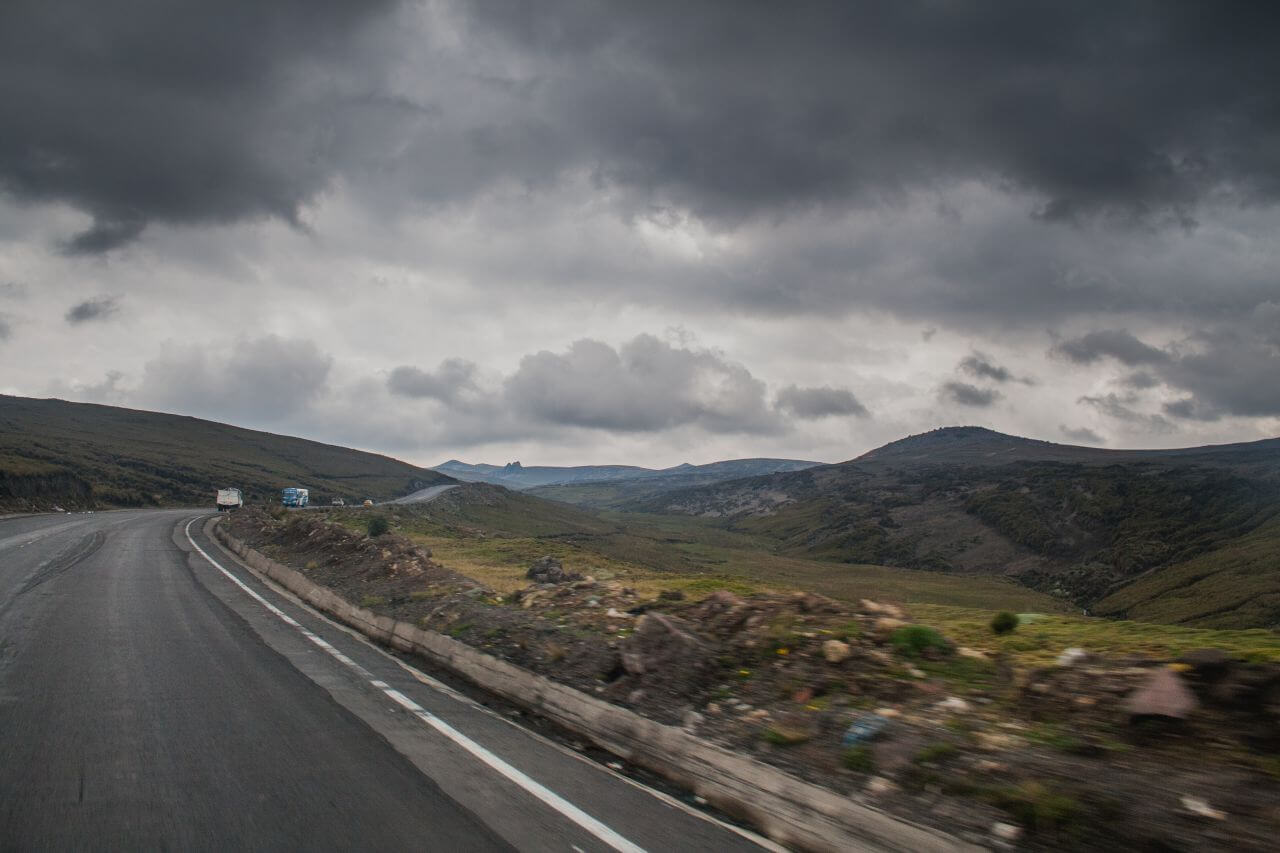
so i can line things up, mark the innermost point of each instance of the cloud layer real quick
(445, 224)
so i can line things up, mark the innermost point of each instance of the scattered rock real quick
(1006, 831)
(1072, 656)
(966, 652)
(692, 719)
(665, 653)
(886, 625)
(879, 785)
(890, 610)
(954, 704)
(1209, 664)
(1164, 695)
(835, 651)
(813, 603)
(550, 570)
(614, 613)
(1200, 808)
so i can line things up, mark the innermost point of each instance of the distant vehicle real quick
(229, 499)
(295, 497)
(368, 502)
(339, 502)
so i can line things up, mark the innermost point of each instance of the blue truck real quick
(295, 497)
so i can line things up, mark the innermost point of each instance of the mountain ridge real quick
(514, 475)
(1081, 523)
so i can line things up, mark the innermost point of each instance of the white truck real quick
(229, 499)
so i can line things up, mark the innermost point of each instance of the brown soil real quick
(969, 742)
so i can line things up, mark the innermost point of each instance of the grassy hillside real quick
(1075, 522)
(1236, 586)
(79, 455)
(494, 534)
(620, 494)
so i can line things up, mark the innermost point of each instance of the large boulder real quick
(665, 653)
(835, 651)
(1163, 695)
(550, 570)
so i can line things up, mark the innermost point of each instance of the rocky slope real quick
(1088, 754)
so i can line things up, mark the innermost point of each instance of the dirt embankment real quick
(861, 700)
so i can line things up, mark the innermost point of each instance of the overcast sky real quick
(646, 233)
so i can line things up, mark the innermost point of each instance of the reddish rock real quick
(1163, 695)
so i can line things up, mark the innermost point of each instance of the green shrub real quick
(781, 734)
(859, 759)
(935, 753)
(1035, 805)
(917, 640)
(1004, 622)
(377, 525)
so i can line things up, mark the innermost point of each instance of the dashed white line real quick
(512, 774)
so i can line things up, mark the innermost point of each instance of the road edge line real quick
(567, 809)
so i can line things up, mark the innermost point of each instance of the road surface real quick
(155, 694)
(430, 493)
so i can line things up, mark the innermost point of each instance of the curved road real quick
(148, 700)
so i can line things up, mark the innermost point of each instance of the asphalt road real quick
(150, 699)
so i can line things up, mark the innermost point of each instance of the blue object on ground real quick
(864, 728)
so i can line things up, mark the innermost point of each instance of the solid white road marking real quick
(440, 687)
(537, 789)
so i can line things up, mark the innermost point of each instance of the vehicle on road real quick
(367, 503)
(229, 499)
(339, 502)
(296, 497)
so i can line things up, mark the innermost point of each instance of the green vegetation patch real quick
(1041, 642)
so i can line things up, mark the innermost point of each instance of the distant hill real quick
(516, 476)
(1082, 523)
(980, 447)
(79, 455)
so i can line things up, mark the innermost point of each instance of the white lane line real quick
(537, 789)
(440, 687)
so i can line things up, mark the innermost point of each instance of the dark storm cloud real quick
(1121, 408)
(1140, 380)
(1137, 108)
(1188, 408)
(1229, 375)
(645, 385)
(1226, 369)
(92, 309)
(968, 395)
(1081, 434)
(983, 367)
(187, 111)
(1112, 343)
(211, 112)
(814, 403)
(257, 381)
(454, 377)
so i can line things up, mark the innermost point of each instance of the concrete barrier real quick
(787, 809)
